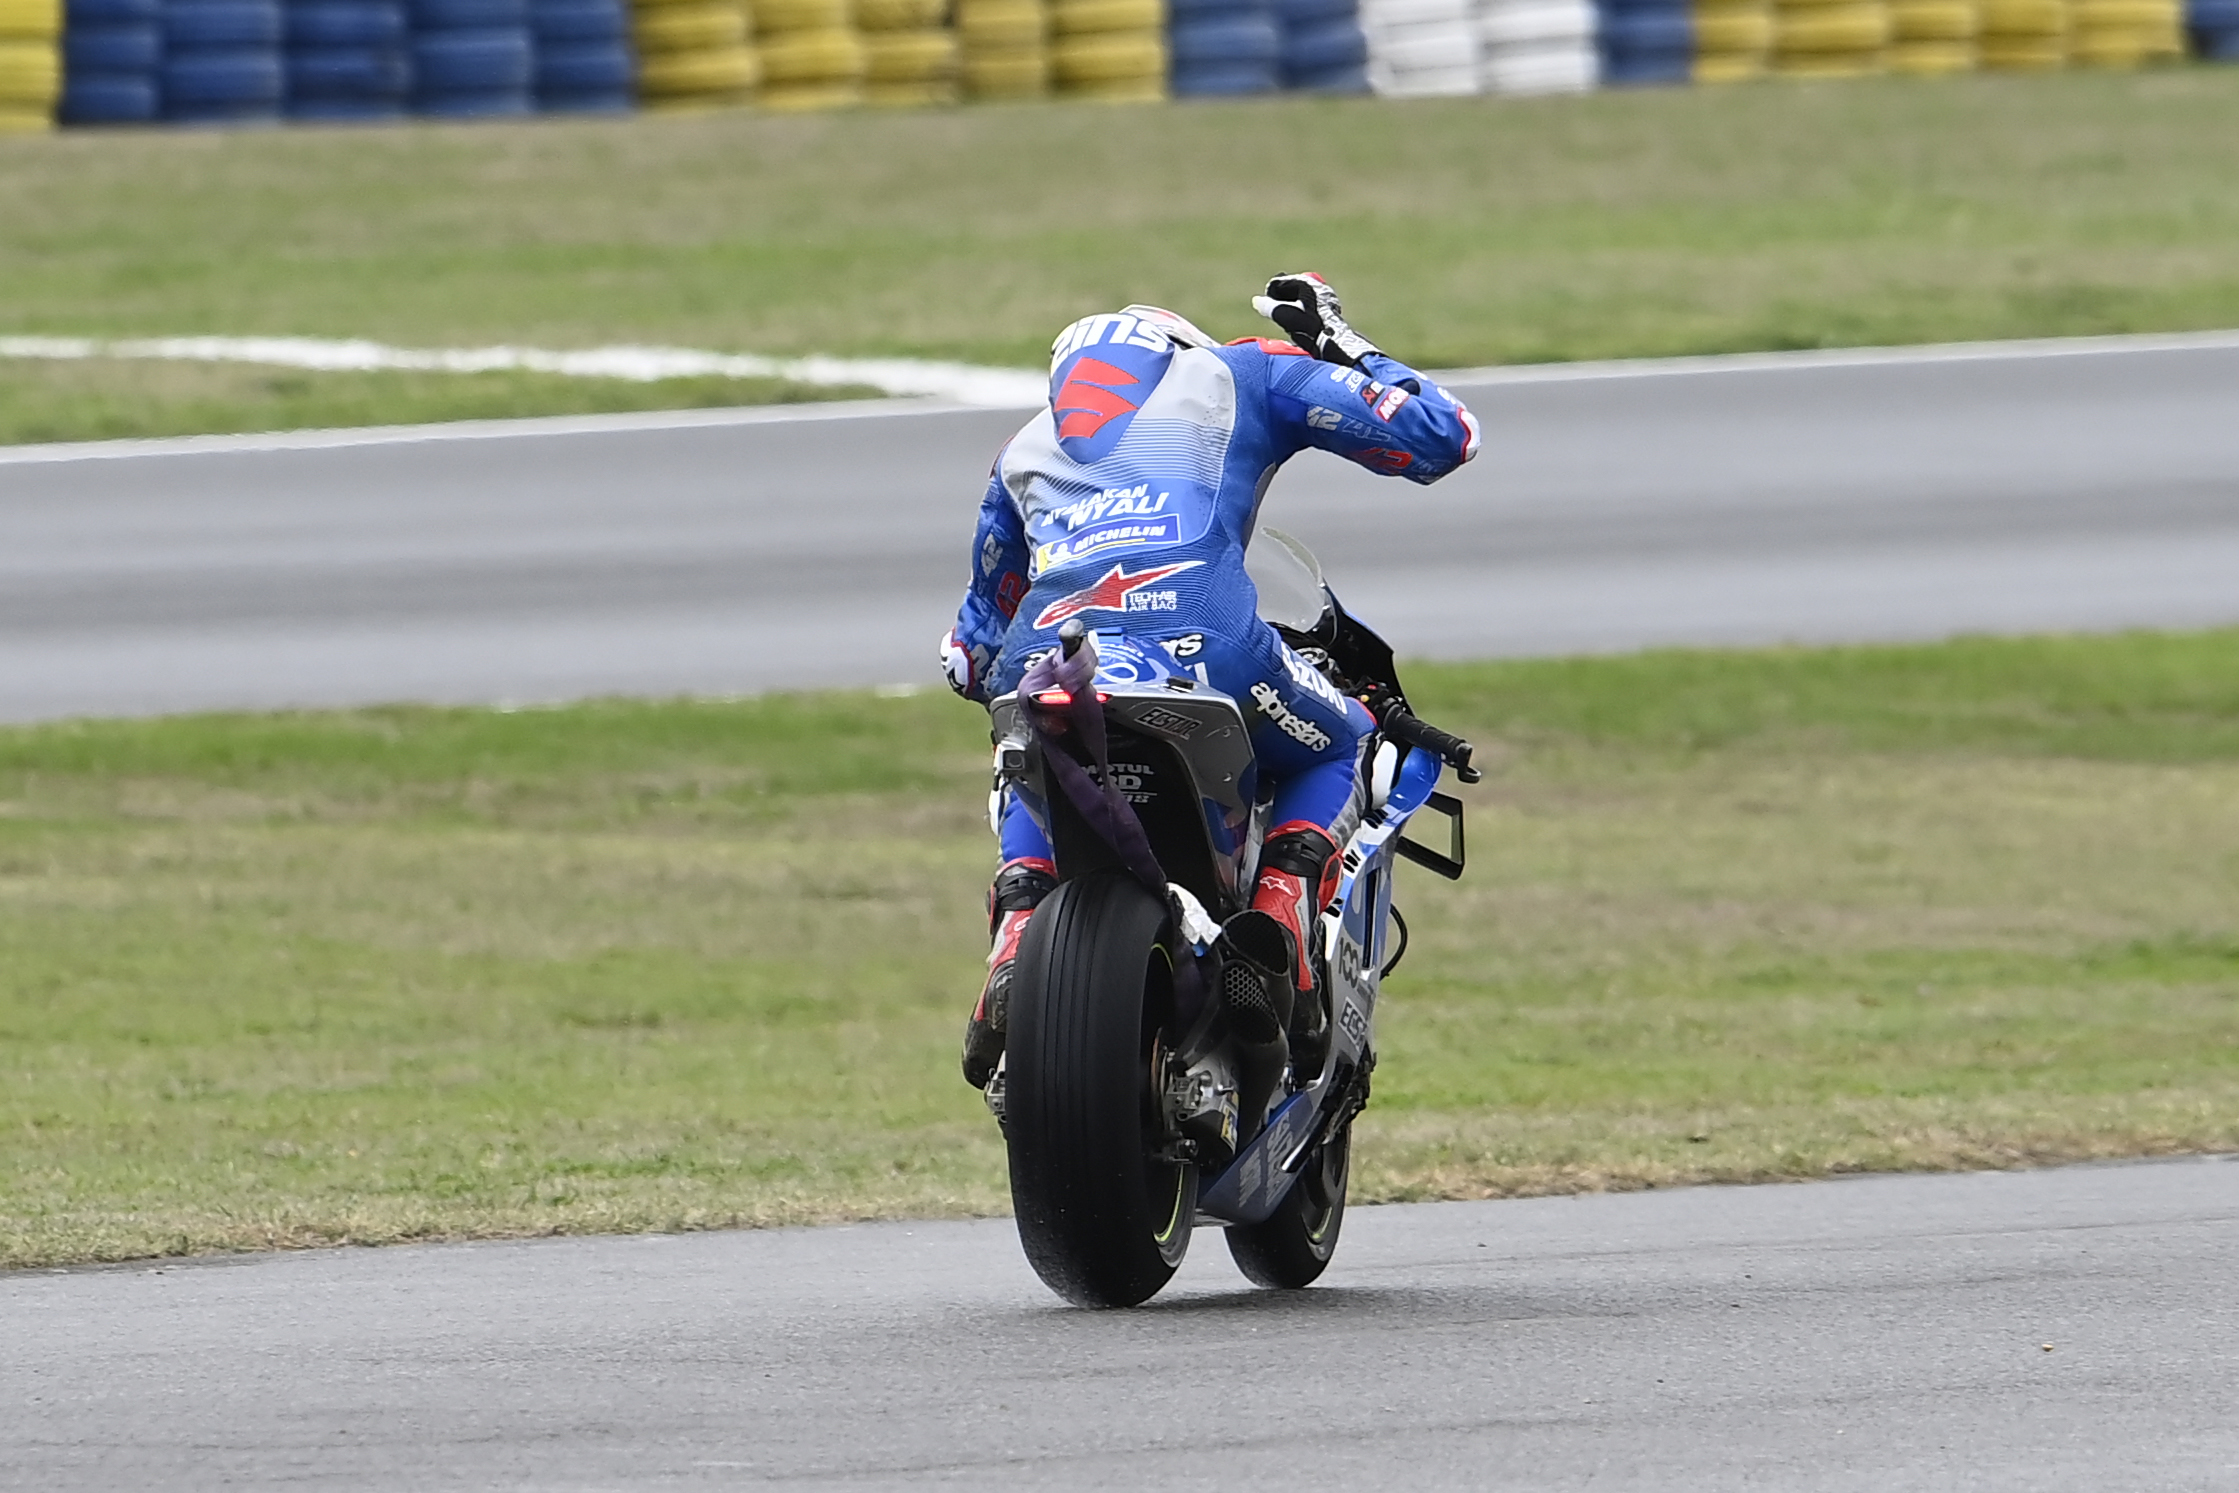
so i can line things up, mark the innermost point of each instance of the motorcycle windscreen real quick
(1292, 593)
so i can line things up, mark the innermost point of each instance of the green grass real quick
(108, 398)
(1462, 231)
(418, 973)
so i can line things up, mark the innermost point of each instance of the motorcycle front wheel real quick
(1293, 1247)
(1103, 1216)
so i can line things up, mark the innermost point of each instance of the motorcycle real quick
(1151, 1084)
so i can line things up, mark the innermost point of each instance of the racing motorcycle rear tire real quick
(1291, 1249)
(1103, 1216)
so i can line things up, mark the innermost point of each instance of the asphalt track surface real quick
(1719, 501)
(2060, 1330)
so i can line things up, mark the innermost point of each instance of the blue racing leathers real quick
(1129, 501)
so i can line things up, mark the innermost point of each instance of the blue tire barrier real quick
(220, 25)
(1295, 13)
(560, 22)
(471, 62)
(1248, 40)
(355, 73)
(1646, 42)
(612, 101)
(495, 103)
(131, 48)
(345, 23)
(1330, 80)
(1322, 47)
(1224, 80)
(2214, 25)
(214, 86)
(468, 15)
(113, 12)
(596, 68)
(344, 110)
(119, 98)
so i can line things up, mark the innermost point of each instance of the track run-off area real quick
(1899, 494)
(2061, 1329)
(2055, 1330)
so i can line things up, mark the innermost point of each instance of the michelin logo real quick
(1166, 530)
(1297, 727)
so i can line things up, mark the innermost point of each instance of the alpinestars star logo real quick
(1116, 592)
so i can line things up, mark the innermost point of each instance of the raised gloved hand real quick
(966, 668)
(1305, 306)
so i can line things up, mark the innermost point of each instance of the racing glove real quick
(1305, 306)
(966, 668)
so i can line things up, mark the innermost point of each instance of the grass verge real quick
(400, 974)
(1463, 231)
(112, 398)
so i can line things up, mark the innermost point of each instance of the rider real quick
(1133, 496)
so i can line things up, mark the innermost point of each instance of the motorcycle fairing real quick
(1252, 1186)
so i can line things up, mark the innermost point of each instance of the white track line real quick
(2019, 350)
(475, 430)
(1003, 388)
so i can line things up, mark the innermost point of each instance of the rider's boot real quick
(1019, 888)
(1297, 879)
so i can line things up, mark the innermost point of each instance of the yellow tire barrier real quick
(901, 15)
(1084, 17)
(1933, 20)
(1006, 75)
(1117, 57)
(30, 20)
(2007, 54)
(30, 80)
(813, 59)
(804, 98)
(909, 56)
(1932, 59)
(911, 95)
(995, 25)
(724, 75)
(1733, 30)
(2124, 33)
(2024, 18)
(1823, 65)
(1729, 67)
(696, 27)
(1006, 48)
(1136, 91)
(2121, 15)
(1821, 29)
(773, 16)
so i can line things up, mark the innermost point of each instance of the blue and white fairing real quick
(1357, 928)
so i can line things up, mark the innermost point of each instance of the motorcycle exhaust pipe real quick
(1257, 1001)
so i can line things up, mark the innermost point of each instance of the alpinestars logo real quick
(1297, 727)
(1116, 592)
